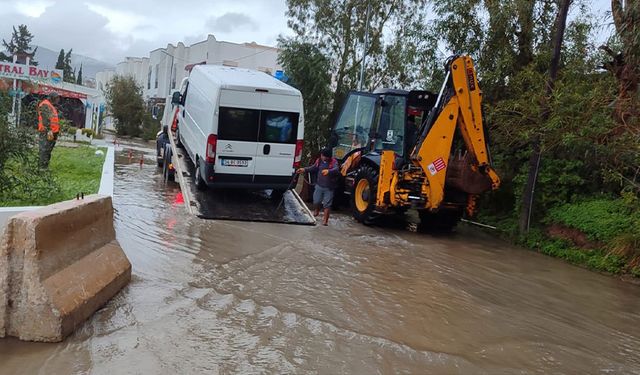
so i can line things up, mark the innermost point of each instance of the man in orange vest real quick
(48, 127)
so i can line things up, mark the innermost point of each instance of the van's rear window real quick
(238, 124)
(278, 127)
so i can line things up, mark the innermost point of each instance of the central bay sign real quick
(30, 72)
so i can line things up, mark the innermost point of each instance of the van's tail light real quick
(174, 122)
(212, 142)
(298, 157)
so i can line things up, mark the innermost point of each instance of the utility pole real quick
(170, 83)
(536, 152)
(13, 102)
(364, 50)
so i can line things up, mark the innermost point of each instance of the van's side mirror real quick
(176, 98)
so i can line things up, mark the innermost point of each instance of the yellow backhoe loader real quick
(400, 150)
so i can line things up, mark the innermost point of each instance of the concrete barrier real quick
(8, 212)
(58, 265)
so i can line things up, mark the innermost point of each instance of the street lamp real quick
(364, 51)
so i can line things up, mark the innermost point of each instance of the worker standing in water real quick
(327, 169)
(48, 127)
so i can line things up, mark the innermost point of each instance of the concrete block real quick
(58, 265)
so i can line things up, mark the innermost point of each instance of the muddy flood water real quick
(261, 298)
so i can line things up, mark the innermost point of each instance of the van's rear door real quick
(277, 135)
(238, 126)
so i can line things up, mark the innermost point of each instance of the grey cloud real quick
(71, 24)
(229, 22)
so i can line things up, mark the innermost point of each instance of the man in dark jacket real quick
(327, 171)
(161, 140)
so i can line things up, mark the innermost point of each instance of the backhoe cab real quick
(401, 150)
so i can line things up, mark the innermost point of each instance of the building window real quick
(149, 79)
(157, 74)
(174, 73)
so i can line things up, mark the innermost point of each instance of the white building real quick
(165, 68)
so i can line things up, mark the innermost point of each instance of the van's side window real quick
(238, 124)
(279, 127)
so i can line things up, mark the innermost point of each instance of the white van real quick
(240, 127)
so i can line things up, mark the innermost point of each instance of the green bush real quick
(88, 132)
(65, 126)
(595, 259)
(72, 170)
(150, 127)
(600, 219)
(615, 222)
(25, 184)
(29, 115)
(17, 154)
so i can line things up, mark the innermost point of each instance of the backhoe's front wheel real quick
(363, 198)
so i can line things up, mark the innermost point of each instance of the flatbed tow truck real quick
(227, 204)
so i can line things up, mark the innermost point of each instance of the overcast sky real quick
(109, 30)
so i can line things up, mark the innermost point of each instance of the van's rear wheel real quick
(197, 179)
(166, 162)
(363, 197)
(159, 155)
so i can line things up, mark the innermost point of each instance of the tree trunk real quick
(624, 66)
(536, 153)
(525, 36)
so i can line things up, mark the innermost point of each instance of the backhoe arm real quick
(459, 104)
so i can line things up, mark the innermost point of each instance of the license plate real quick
(235, 163)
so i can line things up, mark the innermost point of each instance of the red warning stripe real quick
(439, 164)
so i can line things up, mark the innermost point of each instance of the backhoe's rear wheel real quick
(439, 222)
(363, 198)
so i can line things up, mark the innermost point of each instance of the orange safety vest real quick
(54, 120)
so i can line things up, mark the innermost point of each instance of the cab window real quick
(391, 125)
(353, 126)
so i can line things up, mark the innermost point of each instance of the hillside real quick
(90, 66)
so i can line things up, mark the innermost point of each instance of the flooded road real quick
(252, 298)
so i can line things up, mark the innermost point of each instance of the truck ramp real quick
(237, 204)
(247, 205)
